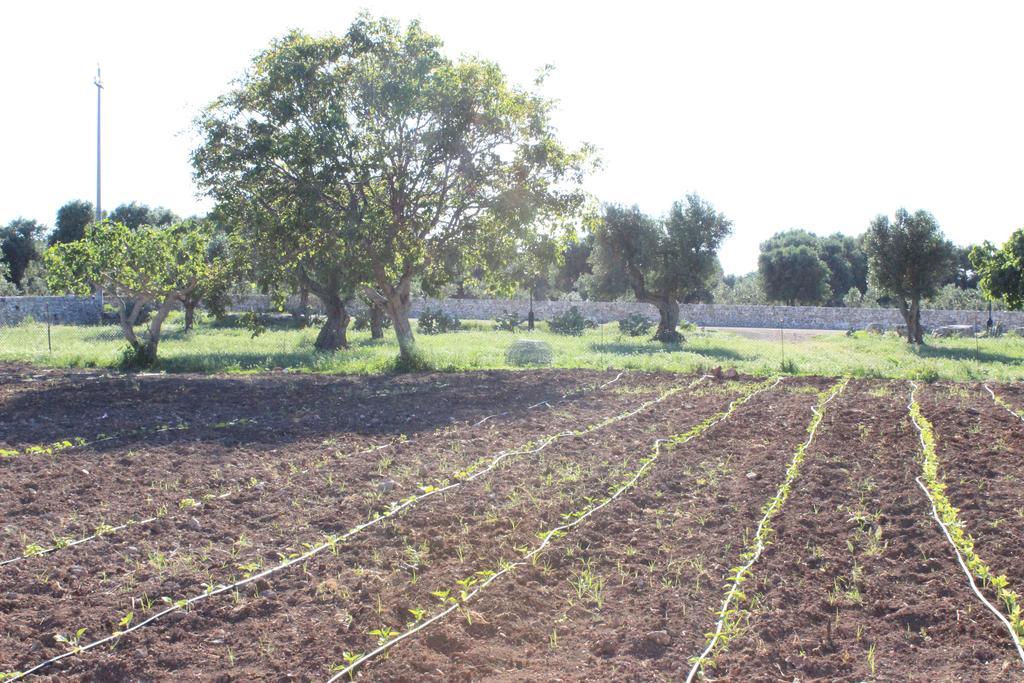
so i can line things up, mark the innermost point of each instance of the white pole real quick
(99, 90)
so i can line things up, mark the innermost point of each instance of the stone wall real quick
(87, 311)
(61, 310)
(705, 315)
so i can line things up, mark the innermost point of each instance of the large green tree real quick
(147, 266)
(842, 256)
(19, 246)
(71, 221)
(908, 259)
(391, 154)
(794, 275)
(1000, 270)
(663, 260)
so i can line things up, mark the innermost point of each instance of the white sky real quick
(783, 114)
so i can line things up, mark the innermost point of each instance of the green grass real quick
(229, 349)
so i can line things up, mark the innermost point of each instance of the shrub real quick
(255, 322)
(572, 322)
(636, 325)
(436, 321)
(529, 352)
(417, 362)
(508, 321)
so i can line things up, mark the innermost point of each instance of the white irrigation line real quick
(149, 520)
(79, 541)
(945, 530)
(769, 513)
(332, 542)
(1002, 404)
(967, 572)
(507, 568)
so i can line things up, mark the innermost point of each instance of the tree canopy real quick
(71, 221)
(842, 257)
(794, 275)
(909, 258)
(387, 153)
(19, 246)
(135, 215)
(1000, 270)
(663, 261)
(147, 266)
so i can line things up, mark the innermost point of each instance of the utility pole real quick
(99, 91)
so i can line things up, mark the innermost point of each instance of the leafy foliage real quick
(19, 246)
(635, 325)
(794, 275)
(508, 321)
(147, 266)
(71, 221)
(7, 288)
(909, 259)
(572, 322)
(663, 261)
(375, 158)
(436, 321)
(1001, 270)
(135, 215)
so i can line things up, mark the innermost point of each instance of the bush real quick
(508, 321)
(529, 352)
(437, 321)
(636, 325)
(572, 322)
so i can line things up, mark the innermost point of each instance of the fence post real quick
(49, 342)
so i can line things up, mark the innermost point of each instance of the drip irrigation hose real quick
(970, 577)
(770, 512)
(1003, 404)
(508, 567)
(333, 541)
(945, 530)
(149, 520)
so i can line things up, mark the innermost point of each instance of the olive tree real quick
(908, 260)
(148, 266)
(376, 154)
(662, 261)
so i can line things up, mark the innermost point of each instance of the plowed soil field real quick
(551, 525)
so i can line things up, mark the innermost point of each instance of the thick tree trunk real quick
(332, 334)
(399, 312)
(376, 322)
(912, 317)
(667, 331)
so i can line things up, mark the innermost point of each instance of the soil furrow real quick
(859, 583)
(630, 594)
(209, 553)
